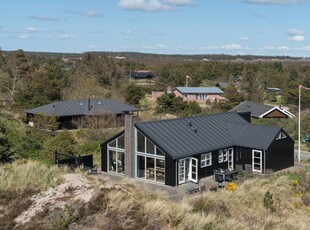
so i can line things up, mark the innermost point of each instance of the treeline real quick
(193, 57)
(252, 79)
(32, 80)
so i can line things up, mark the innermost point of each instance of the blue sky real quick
(258, 27)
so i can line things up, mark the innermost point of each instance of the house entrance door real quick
(193, 170)
(187, 170)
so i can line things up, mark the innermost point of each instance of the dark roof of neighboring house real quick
(191, 90)
(258, 109)
(141, 74)
(82, 107)
(222, 84)
(195, 135)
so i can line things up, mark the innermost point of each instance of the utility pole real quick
(299, 102)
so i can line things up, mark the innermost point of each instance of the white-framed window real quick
(281, 135)
(223, 155)
(201, 96)
(206, 160)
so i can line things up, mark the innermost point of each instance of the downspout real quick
(176, 173)
(265, 161)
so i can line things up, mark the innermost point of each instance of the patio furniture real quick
(225, 175)
(219, 178)
(91, 170)
(192, 190)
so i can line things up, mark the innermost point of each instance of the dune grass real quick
(23, 174)
(277, 201)
(244, 208)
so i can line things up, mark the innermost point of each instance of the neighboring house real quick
(199, 94)
(222, 85)
(141, 74)
(69, 112)
(259, 110)
(177, 151)
(273, 90)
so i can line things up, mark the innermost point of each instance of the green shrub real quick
(269, 201)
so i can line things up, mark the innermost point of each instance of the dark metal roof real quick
(141, 74)
(222, 84)
(195, 135)
(256, 109)
(187, 136)
(206, 90)
(82, 107)
(253, 136)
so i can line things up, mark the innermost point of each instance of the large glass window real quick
(141, 167)
(150, 147)
(150, 160)
(206, 159)
(140, 142)
(121, 142)
(116, 156)
(160, 170)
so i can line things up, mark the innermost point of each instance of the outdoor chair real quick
(91, 169)
(219, 179)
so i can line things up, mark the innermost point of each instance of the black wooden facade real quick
(276, 151)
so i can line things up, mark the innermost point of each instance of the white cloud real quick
(45, 18)
(208, 48)
(294, 32)
(297, 38)
(146, 47)
(183, 48)
(152, 5)
(94, 46)
(66, 36)
(270, 48)
(161, 46)
(305, 48)
(90, 13)
(179, 2)
(62, 36)
(279, 2)
(32, 30)
(244, 38)
(24, 36)
(283, 48)
(232, 47)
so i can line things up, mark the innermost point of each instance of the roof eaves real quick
(269, 111)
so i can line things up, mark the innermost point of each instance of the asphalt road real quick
(304, 156)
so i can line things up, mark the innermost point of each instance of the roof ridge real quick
(187, 118)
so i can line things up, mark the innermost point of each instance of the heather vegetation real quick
(277, 201)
